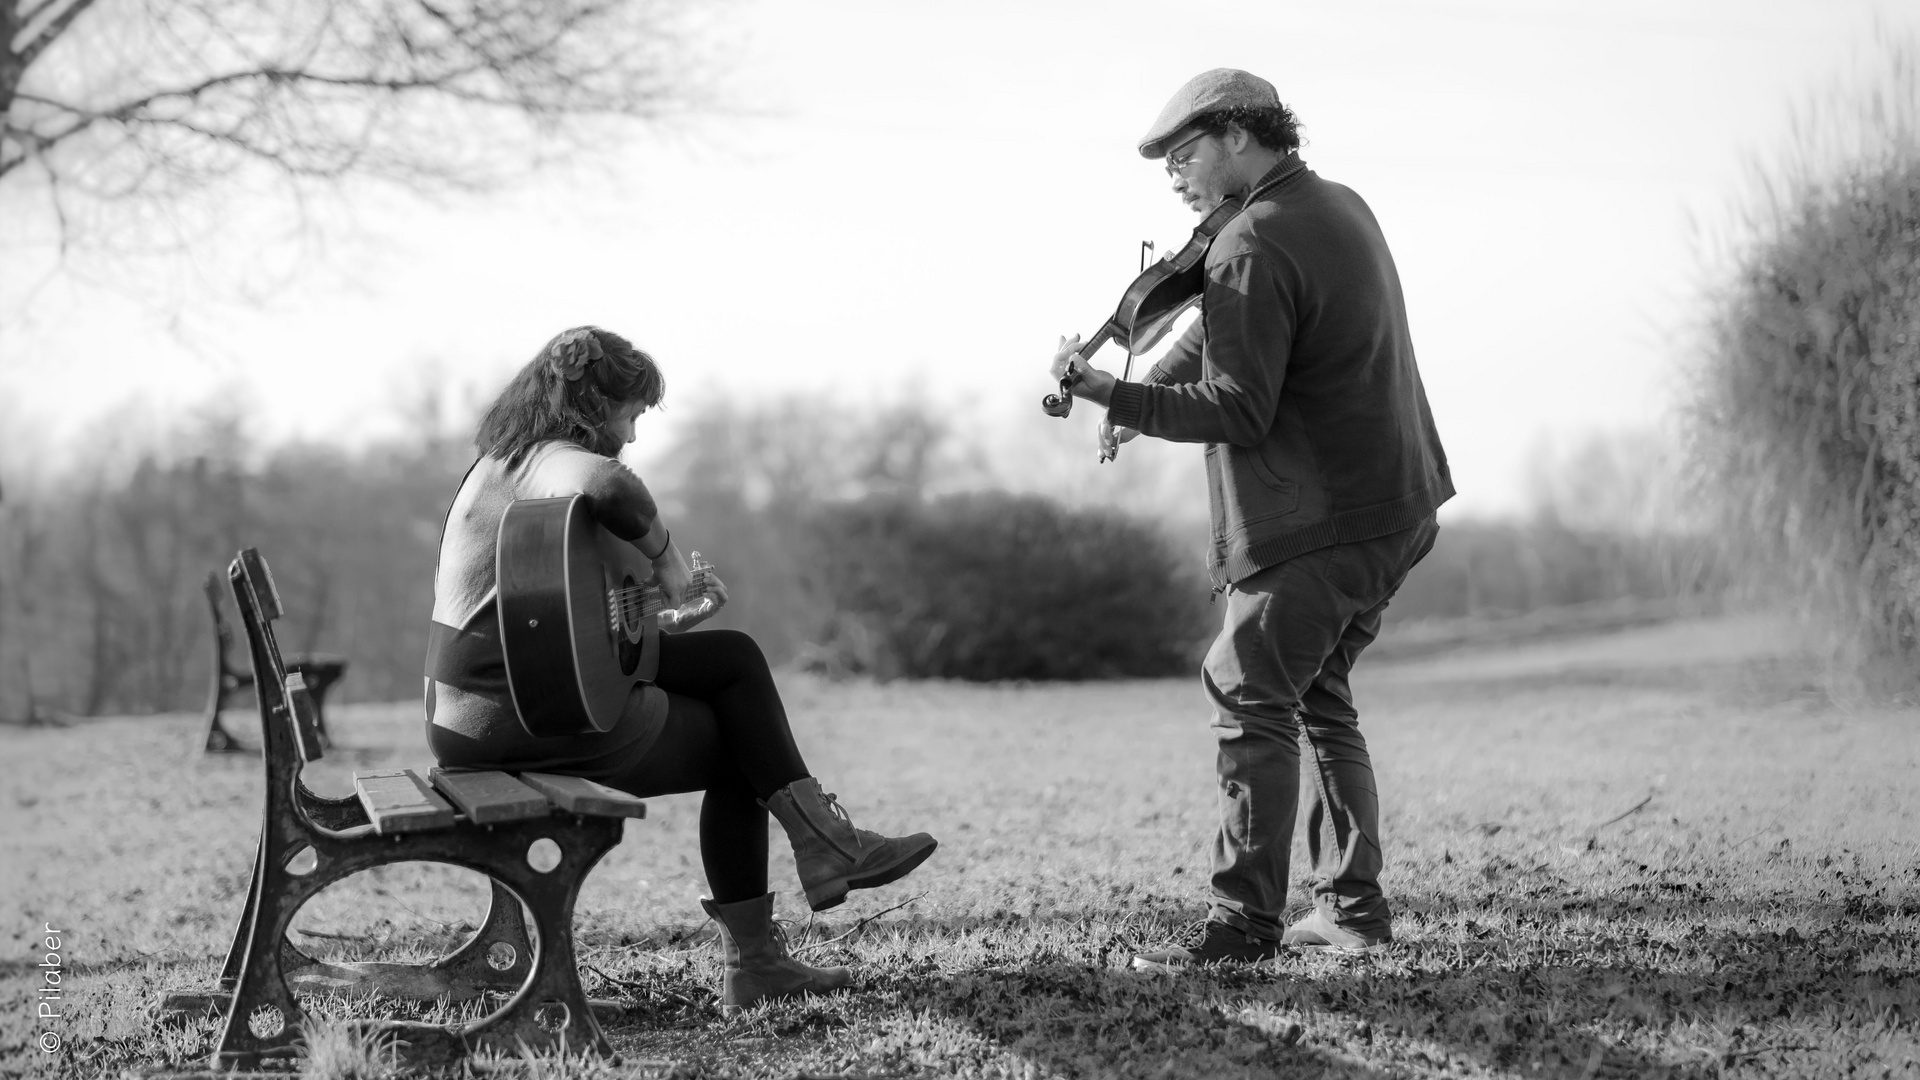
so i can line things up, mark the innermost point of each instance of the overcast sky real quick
(919, 198)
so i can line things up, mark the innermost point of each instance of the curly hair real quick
(1273, 127)
(568, 390)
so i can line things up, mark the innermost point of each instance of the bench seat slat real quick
(578, 795)
(489, 797)
(401, 802)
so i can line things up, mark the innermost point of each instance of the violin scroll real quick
(1061, 404)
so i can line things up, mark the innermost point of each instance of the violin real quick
(1150, 305)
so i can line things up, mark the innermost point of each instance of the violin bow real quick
(1146, 258)
(1126, 370)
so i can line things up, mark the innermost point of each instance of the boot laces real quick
(861, 837)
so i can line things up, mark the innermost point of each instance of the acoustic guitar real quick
(580, 615)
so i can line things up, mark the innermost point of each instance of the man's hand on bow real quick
(1111, 437)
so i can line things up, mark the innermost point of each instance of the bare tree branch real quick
(30, 41)
(159, 102)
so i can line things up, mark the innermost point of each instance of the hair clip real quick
(572, 351)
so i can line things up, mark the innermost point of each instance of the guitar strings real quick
(646, 601)
(643, 601)
(630, 593)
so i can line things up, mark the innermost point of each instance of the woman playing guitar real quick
(711, 720)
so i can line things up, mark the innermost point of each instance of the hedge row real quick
(998, 586)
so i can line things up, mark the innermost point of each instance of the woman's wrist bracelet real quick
(663, 546)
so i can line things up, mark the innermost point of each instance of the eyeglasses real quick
(1178, 165)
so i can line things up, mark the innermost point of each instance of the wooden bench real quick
(534, 835)
(321, 669)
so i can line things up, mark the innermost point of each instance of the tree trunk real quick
(19, 558)
(102, 603)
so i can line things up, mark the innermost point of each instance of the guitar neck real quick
(653, 600)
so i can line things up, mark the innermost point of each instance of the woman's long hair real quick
(567, 392)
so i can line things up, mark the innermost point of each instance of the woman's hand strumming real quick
(673, 574)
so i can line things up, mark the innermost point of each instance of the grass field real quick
(1758, 914)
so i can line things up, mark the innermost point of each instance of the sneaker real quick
(1317, 933)
(1222, 944)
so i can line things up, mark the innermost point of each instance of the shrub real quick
(1809, 407)
(1497, 568)
(999, 586)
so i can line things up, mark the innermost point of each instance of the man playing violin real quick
(1324, 471)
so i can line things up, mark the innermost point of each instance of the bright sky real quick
(920, 198)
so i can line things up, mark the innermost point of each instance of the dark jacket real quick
(1300, 379)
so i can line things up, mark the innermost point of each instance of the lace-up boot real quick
(831, 855)
(757, 964)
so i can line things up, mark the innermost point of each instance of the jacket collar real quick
(1288, 169)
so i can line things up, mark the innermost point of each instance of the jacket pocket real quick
(1248, 490)
(1288, 491)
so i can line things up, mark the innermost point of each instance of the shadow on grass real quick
(1082, 1020)
(1616, 1006)
(1610, 1003)
(1642, 904)
(1577, 1009)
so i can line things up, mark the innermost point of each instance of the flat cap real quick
(1209, 91)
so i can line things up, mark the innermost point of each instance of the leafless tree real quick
(118, 111)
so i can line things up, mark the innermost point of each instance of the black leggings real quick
(727, 735)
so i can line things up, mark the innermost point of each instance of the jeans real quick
(1277, 677)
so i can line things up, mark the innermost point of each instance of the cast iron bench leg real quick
(309, 842)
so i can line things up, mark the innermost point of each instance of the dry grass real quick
(1805, 421)
(1756, 916)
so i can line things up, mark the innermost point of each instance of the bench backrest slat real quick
(260, 580)
(258, 603)
(578, 795)
(489, 797)
(305, 717)
(401, 802)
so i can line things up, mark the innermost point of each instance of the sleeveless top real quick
(471, 721)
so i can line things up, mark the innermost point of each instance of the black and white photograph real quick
(803, 539)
